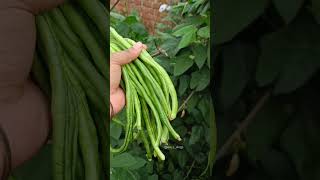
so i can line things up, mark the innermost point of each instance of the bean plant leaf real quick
(203, 106)
(290, 56)
(272, 58)
(196, 20)
(235, 70)
(204, 32)
(153, 177)
(183, 63)
(139, 162)
(296, 72)
(165, 62)
(115, 130)
(300, 140)
(168, 43)
(265, 129)
(293, 142)
(278, 165)
(183, 84)
(187, 39)
(122, 160)
(231, 17)
(200, 79)
(182, 158)
(195, 135)
(184, 30)
(131, 20)
(200, 53)
(123, 173)
(193, 102)
(288, 9)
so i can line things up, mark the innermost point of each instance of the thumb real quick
(125, 57)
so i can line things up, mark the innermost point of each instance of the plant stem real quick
(115, 4)
(244, 124)
(116, 120)
(189, 171)
(186, 101)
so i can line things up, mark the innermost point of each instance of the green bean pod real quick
(146, 118)
(145, 57)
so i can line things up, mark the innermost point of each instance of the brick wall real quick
(148, 10)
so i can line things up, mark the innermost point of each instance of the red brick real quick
(156, 5)
(147, 3)
(137, 3)
(149, 17)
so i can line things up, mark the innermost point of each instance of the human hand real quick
(117, 96)
(24, 110)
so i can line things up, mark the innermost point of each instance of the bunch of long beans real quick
(151, 100)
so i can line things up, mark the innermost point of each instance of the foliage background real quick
(267, 58)
(265, 91)
(182, 48)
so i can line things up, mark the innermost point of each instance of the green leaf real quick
(177, 175)
(200, 53)
(278, 165)
(200, 79)
(213, 137)
(181, 130)
(183, 84)
(130, 20)
(123, 174)
(153, 177)
(297, 71)
(122, 160)
(187, 39)
(231, 17)
(294, 143)
(115, 130)
(183, 63)
(299, 145)
(116, 17)
(204, 32)
(138, 28)
(139, 162)
(288, 9)
(170, 46)
(272, 58)
(200, 157)
(193, 102)
(204, 107)
(196, 114)
(195, 135)
(182, 158)
(235, 71)
(196, 20)
(283, 53)
(165, 62)
(184, 30)
(265, 129)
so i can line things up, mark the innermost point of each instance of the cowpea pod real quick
(146, 117)
(146, 57)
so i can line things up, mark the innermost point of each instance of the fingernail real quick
(137, 46)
